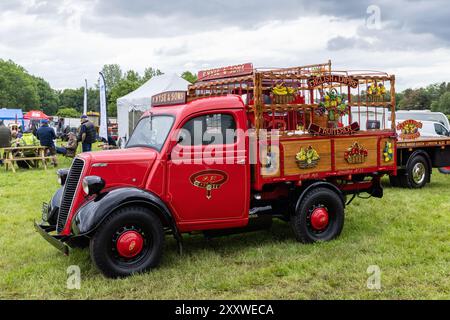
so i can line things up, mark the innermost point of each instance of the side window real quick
(439, 129)
(211, 129)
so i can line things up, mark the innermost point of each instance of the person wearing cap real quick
(87, 134)
(46, 136)
(70, 149)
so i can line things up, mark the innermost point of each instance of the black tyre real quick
(320, 216)
(417, 174)
(130, 241)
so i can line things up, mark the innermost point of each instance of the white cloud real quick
(52, 41)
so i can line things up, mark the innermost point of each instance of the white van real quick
(423, 115)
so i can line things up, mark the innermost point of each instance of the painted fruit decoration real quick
(209, 180)
(333, 104)
(409, 129)
(388, 152)
(356, 154)
(307, 158)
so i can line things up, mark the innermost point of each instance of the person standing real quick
(46, 136)
(5, 139)
(5, 136)
(87, 134)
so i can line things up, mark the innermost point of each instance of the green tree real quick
(68, 113)
(189, 76)
(419, 99)
(72, 98)
(443, 104)
(124, 87)
(150, 73)
(48, 98)
(113, 74)
(132, 76)
(18, 89)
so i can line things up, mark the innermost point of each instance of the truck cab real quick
(184, 177)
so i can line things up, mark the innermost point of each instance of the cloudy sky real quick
(65, 41)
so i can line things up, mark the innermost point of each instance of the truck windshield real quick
(151, 132)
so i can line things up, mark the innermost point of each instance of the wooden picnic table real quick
(14, 154)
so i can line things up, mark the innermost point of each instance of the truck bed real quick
(332, 152)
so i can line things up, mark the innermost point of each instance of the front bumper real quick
(55, 241)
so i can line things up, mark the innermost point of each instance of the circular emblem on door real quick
(209, 180)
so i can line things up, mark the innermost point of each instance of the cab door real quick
(209, 173)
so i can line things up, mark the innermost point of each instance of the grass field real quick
(406, 234)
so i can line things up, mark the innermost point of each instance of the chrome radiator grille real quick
(70, 188)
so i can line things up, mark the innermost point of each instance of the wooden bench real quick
(9, 158)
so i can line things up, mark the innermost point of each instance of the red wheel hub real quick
(130, 244)
(319, 218)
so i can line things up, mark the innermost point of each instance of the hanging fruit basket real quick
(376, 92)
(282, 94)
(333, 105)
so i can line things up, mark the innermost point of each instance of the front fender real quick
(92, 214)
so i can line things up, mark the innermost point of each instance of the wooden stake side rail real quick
(353, 87)
(284, 107)
(323, 67)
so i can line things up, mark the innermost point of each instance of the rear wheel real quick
(320, 216)
(130, 241)
(417, 174)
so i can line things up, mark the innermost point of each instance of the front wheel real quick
(130, 241)
(319, 217)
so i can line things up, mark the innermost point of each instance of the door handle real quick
(241, 161)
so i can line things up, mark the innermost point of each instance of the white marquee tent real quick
(131, 106)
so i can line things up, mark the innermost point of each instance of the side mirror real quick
(180, 139)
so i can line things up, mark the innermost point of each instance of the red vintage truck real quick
(241, 147)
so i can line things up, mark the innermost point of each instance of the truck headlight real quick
(62, 176)
(92, 185)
